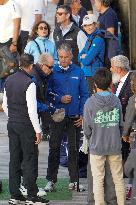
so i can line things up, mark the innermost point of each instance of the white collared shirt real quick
(121, 83)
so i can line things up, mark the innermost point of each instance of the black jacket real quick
(125, 94)
(41, 83)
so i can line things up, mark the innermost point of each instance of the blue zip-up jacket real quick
(94, 55)
(46, 46)
(68, 82)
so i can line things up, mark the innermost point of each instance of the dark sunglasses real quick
(43, 28)
(60, 13)
(50, 67)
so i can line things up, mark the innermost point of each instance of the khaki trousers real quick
(98, 173)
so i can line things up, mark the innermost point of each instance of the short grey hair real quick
(121, 61)
(66, 47)
(44, 58)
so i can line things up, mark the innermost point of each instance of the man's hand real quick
(83, 55)
(13, 48)
(78, 122)
(66, 99)
(38, 138)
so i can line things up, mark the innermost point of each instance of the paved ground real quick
(78, 199)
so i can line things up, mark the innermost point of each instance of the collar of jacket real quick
(24, 72)
(41, 39)
(92, 35)
(59, 69)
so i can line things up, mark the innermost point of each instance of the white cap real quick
(89, 19)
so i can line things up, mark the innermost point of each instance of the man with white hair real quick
(121, 76)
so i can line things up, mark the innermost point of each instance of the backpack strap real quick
(38, 47)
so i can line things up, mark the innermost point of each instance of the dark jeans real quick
(46, 122)
(22, 140)
(109, 188)
(73, 134)
(22, 41)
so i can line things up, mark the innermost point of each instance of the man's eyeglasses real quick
(60, 13)
(50, 67)
(43, 28)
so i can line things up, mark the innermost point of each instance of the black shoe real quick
(36, 201)
(17, 200)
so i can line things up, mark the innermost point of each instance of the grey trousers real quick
(109, 188)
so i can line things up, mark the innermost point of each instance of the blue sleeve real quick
(52, 97)
(96, 47)
(84, 92)
(42, 107)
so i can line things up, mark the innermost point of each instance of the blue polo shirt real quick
(108, 19)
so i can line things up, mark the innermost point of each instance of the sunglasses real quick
(43, 28)
(50, 67)
(60, 13)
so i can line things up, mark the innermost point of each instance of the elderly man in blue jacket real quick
(67, 89)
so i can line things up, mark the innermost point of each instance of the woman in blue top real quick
(92, 55)
(39, 42)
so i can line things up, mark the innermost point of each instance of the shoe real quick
(36, 201)
(19, 200)
(49, 186)
(128, 192)
(73, 186)
(40, 193)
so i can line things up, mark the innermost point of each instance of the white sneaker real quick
(40, 193)
(20, 200)
(37, 201)
(49, 186)
(73, 186)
